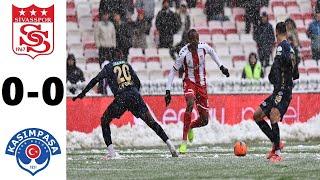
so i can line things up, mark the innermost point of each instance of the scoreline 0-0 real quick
(19, 91)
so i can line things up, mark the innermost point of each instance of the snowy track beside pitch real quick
(213, 133)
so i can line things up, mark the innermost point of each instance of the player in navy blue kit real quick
(283, 71)
(125, 86)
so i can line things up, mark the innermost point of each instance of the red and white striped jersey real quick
(194, 63)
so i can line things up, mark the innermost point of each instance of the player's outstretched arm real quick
(177, 65)
(91, 84)
(224, 71)
(167, 97)
(216, 59)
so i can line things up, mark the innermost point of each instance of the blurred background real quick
(151, 32)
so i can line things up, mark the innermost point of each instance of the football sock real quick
(111, 149)
(264, 126)
(170, 145)
(156, 128)
(106, 132)
(186, 124)
(276, 135)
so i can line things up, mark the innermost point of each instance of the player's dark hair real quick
(190, 32)
(193, 44)
(281, 28)
(117, 53)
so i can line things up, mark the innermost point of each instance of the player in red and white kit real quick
(192, 58)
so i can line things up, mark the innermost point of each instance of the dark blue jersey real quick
(284, 68)
(120, 77)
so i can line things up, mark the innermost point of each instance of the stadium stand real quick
(228, 38)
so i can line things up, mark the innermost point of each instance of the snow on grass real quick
(208, 164)
(213, 133)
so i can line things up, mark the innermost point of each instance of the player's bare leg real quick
(275, 117)
(148, 119)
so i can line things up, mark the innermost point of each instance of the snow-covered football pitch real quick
(301, 161)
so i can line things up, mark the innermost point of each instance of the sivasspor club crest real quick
(33, 149)
(32, 30)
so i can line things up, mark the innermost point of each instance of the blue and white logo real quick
(33, 148)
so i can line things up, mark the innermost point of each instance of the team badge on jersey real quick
(33, 149)
(279, 51)
(32, 30)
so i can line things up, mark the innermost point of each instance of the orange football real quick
(240, 148)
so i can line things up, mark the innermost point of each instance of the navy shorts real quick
(279, 100)
(126, 101)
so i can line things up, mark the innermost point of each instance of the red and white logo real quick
(33, 30)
